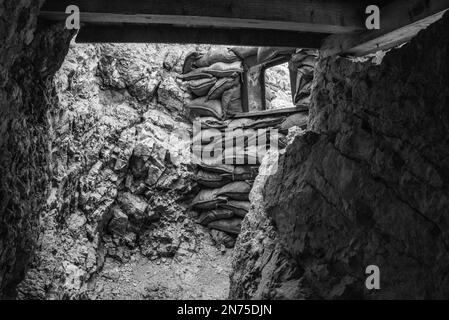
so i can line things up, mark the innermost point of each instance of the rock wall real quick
(29, 56)
(91, 181)
(368, 184)
(120, 180)
(278, 87)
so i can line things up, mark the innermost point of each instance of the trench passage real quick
(131, 214)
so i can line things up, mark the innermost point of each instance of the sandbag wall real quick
(214, 79)
(302, 67)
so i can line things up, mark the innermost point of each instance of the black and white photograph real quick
(224, 154)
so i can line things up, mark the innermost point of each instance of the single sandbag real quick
(240, 208)
(252, 137)
(211, 152)
(309, 61)
(229, 171)
(266, 123)
(241, 136)
(190, 60)
(207, 199)
(241, 173)
(216, 167)
(304, 55)
(231, 101)
(221, 69)
(265, 54)
(195, 75)
(306, 71)
(240, 155)
(240, 123)
(303, 93)
(212, 123)
(306, 87)
(297, 119)
(221, 237)
(246, 156)
(238, 190)
(232, 225)
(221, 86)
(207, 136)
(309, 52)
(304, 81)
(304, 77)
(301, 76)
(213, 215)
(221, 54)
(204, 108)
(245, 52)
(211, 179)
(200, 87)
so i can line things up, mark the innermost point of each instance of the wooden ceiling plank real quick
(198, 21)
(171, 34)
(321, 16)
(400, 22)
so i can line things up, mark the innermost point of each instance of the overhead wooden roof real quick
(340, 24)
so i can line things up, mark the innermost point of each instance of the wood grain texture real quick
(172, 34)
(400, 21)
(277, 112)
(322, 16)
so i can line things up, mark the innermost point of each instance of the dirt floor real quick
(202, 274)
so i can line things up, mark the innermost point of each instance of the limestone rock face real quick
(278, 87)
(29, 57)
(368, 185)
(120, 176)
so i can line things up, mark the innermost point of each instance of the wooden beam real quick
(400, 21)
(274, 112)
(321, 16)
(172, 34)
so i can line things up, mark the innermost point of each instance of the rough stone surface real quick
(121, 182)
(29, 57)
(368, 184)
(278, 87)
(94, 188)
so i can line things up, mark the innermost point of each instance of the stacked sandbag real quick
(239, 146)
(214, 79)
(302, 65)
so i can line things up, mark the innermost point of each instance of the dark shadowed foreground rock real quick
(119, 183)
(369, 185)
(29, 57)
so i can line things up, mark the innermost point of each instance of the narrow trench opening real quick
(153, 218)
(146, 171)
(278, 87)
